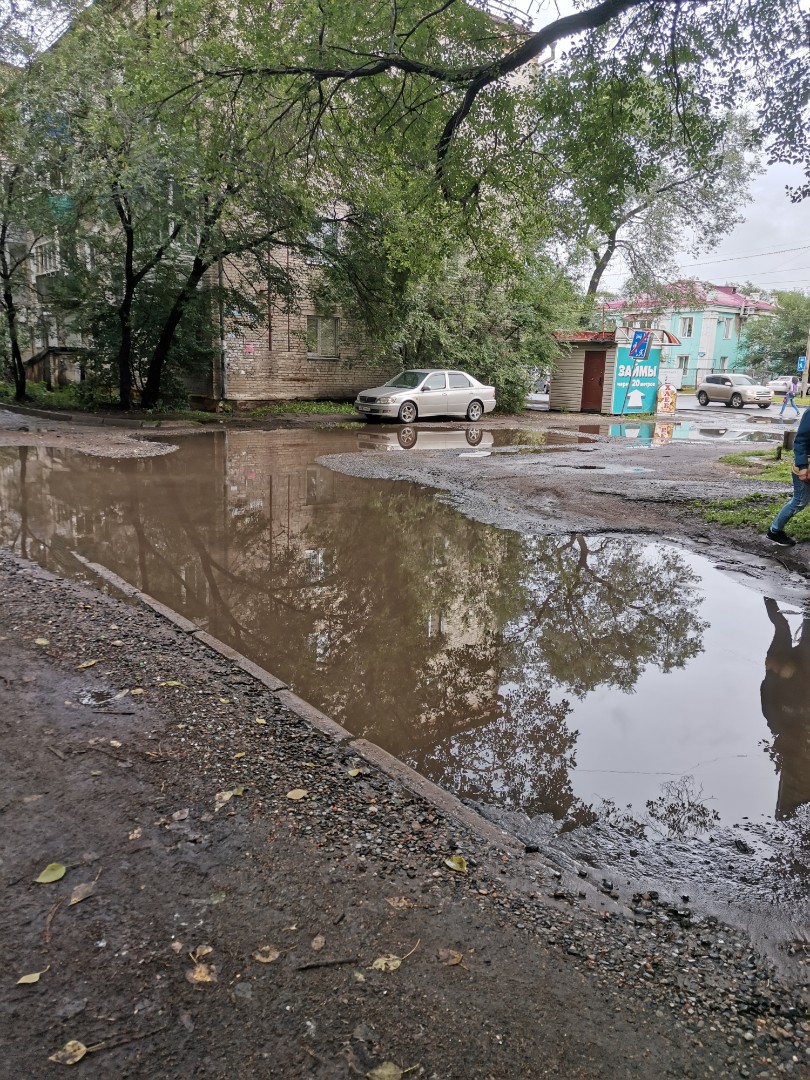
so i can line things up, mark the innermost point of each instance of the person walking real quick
(790, 396)
(801, 485)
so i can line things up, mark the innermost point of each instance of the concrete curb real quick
(86, 419)
(374, 755)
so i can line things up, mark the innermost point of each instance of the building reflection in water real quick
(786, 707)
(457, 646)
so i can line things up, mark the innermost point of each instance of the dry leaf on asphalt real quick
(137, 690)
(115, 744)
(202, 974)
(221, 798)
(355, 772)
(71, 1053)
(41, 641)
(86, 664)
(386, 1071)
(401, 903)
(297, 793)
(457, 863)
(27, 980)
(171, 682)
(266, 954)
(201, 951)
(81, 892)
(120, 694)
(317, 943)
(136, 834)
(450, 957)
(54, 871)
(260, 720)
(224, 701)
(389, 962)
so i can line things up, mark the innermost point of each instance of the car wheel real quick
(736, 401)
(475, 410)
(703, 398)
(407, 437)
(765, 406)
(474, 435)
(407, 413)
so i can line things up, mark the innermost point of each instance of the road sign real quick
(800, 363)
(641, 344)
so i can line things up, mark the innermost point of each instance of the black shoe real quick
(776, 536)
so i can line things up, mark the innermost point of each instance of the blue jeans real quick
(801, 497)
(789, 400)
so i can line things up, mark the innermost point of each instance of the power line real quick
(739, 258)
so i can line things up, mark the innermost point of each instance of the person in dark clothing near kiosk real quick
(801, 485)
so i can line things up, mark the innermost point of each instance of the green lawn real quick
(758, 510)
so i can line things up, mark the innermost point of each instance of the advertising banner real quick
(635, 388)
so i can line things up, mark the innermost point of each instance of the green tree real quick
(773, 343)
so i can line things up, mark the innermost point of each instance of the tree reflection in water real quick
(451, 643)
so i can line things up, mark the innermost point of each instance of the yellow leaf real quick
(224, 701)
(201, 951)
(239, 789)
(389, 962)
(202, 973)
(81, 892)
(54, 871)
(137, 690)
(241, 754)
(86, 664)
(71, 1053)
(260, 720)
(297, 793)
(355, 772)
(115, 744)
(266, 954)
(171, 682)
(41, 641)
(386, 1071)
(457, 863)
(27, 980)
(450, 957)
(401, 903)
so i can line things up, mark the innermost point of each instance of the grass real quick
(281, 408)
(758, 510)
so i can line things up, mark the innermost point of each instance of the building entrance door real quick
(593, 381)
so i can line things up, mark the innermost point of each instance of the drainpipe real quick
(223, 359)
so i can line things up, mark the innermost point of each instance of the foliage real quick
(284, 408)
(752, 511)
(774, 343)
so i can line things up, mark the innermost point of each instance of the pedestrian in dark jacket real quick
(801, 485)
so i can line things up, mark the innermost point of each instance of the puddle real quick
(662, 433)
(581, 678)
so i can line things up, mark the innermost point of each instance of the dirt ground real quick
(241, 941)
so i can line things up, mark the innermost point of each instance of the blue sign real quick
(800, 363)
(640, 345)
(635, 387)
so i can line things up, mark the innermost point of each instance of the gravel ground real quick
(510, 972)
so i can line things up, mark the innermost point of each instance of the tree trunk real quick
(151, 391)
(602, 262)
(17, 366)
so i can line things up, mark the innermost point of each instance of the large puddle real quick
(564, 675)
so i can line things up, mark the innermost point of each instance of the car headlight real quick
(386, 400)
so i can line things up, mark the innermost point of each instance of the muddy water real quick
(566, 675)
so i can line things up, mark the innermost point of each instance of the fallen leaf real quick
(297, 793)
(95, 772)
(171, 682)
(389, 962)
(201, 951)
(450, 957)
(221, 798)
(27, 980)
(317, 943)
(180, 815)
(41, 641)
(201, 974)
(54, 871)
(137, 690)
(260, 720)
(118, 643)
(239, 789)
(355, 772)
(136, 834)
(359, 977)
(86, 664)
(81, 892)
(115, 744)
(71, 1053)
(224, 701)
(386, 1071)
(120, 694)
(266, 954)
(457, 863)
(176, 946)
(241, 754)
(401, 903)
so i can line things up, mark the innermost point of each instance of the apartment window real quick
(728, 325)
(323, 336)
(644, 324)
(46, 257)
(683, 361)
(723, 363)
(322, 243)
(687, 325)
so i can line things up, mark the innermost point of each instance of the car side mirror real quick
(424, 388)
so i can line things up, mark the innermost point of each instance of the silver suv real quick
(734, 391)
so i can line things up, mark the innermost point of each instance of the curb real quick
(86, 419)
(374, 755)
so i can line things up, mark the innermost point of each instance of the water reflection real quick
(461, 648)
(786, 707)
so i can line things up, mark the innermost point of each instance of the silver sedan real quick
(421, 392)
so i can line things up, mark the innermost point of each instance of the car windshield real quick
(409, 380)
(742, 380)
